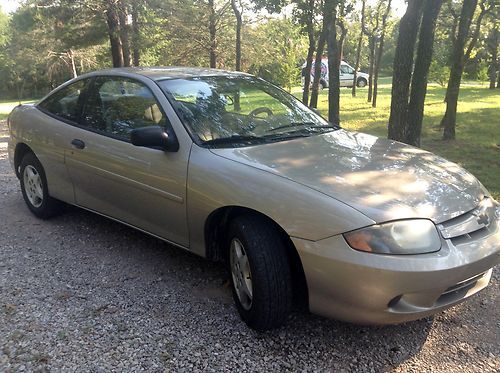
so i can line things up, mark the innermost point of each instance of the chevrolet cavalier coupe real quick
(232, 168)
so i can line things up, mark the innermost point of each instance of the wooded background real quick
(46, 42)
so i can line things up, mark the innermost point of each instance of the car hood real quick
(383, 179)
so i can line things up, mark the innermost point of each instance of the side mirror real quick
(154, 137)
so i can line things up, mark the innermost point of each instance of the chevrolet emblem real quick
(483, 219)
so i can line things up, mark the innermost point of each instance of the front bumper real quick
(368, 288)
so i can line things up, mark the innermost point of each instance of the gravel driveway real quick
(81, 292)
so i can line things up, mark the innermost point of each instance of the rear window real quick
(66, 103)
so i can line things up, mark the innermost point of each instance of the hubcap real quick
(33, 186)
(240, 271)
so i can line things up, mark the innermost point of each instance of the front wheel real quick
(260, 272)
(34, 188)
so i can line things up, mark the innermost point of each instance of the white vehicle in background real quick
(346, 75)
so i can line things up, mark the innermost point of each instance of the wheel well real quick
(216, 227)
(21, 150)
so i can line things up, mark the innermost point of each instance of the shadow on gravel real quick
(202, 298)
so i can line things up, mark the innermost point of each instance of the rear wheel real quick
(260, 272)
(362, 82)
(34, 188)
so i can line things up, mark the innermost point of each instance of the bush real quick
(439, 73)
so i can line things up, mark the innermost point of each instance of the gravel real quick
(81, 292)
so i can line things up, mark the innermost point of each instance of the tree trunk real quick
(378, 58)
(333, 61)
(371, 45)
(113, 22)
(317, 68)
(239, 23)
(492, 44)
(124, 32)
(341, 42)
(358, 51)
(380, 51)
(136, 54)
(421, 71)
(212, 29)
(72, 61)
(310, 52)
(402, 69)
(450, 117)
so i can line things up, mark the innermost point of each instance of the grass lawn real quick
(7, 106)
(477, 147)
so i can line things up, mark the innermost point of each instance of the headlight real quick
(416, 236)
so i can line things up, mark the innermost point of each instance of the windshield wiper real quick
(286, 136)
(235, 139)
(305, 125)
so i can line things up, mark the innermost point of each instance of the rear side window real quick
(67, 102)
(116, 105)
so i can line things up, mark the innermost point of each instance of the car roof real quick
(174, 72)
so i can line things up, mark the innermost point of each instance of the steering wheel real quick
(260, 110)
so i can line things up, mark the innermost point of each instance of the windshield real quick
(229, 111)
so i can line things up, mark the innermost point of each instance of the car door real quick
(61, 111)
(140, 186)
(346, 75)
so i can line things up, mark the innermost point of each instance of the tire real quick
(322, 85)
(263, 271)
(34, 188)
(361, 82)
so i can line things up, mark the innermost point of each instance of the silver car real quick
(232, 168)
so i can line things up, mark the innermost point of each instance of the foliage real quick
(281, 50)
(42, 40)
(439, 73)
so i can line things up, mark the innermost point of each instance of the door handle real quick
(79, 144)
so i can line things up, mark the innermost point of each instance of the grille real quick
(459, 290)
(472, 225)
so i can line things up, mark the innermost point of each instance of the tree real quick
(123, 15)
(458, 59)
(239, 23)
(421, 71)
(113, 21)
(317, 63)
(380, 51)
(358, 50)
(372, 34)
(402, 69)
(330, 14)
(345, 7)
(492, 46)
(305, 15)
(276, 47)
(136, 52)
